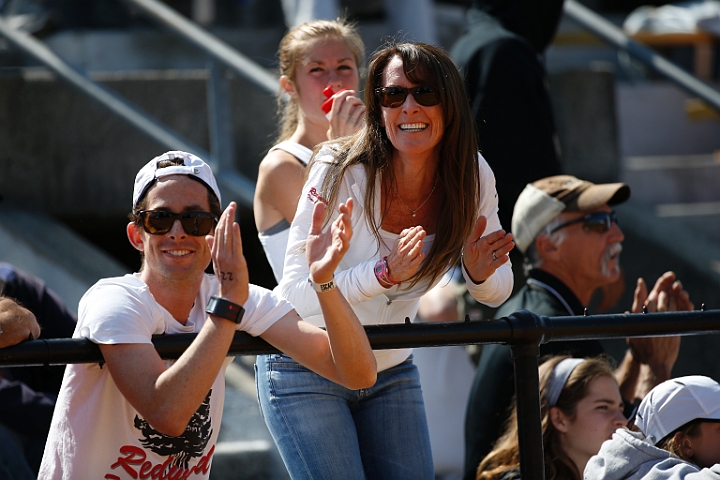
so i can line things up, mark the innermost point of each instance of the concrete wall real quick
(584, 104)
(61, 148)
(40, 245)
(653, 121)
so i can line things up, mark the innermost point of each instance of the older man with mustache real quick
(572, 243)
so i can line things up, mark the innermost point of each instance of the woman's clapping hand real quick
(406, 254)
(326, 249)
(485, 254)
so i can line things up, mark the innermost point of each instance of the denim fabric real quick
(326, 431)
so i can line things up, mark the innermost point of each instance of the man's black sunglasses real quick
(393, 97)
(597, 222)
(159, 222)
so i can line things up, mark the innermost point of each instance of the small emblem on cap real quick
(196, 171)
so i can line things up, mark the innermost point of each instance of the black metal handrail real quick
(408, 335)
(523, 331)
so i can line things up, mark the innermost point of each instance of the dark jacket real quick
(493, 387)
(499, 56)
(27, 394)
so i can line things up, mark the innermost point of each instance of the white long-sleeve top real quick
(355, 277)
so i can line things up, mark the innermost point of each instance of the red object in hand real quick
(327, 104)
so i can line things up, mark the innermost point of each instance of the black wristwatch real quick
(220, 307)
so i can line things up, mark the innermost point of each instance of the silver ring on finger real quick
(494, 257)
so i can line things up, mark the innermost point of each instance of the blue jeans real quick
(325, 431)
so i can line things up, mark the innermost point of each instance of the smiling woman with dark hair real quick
(425, 201)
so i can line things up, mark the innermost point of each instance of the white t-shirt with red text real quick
(95, 432)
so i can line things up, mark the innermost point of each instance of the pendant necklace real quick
(412, 212)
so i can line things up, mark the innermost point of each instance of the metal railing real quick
(616, 37)
(222, 155)
(111, 100)
(188, 30)
(223, 57)
(523, 331)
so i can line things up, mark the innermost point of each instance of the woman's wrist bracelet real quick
(322, 287)
(382, 273)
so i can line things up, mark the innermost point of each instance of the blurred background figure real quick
(446, 375)
(501, 57)
(314, 56)
(572, 243)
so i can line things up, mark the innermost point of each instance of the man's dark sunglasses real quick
(597, 222)
(158, 222)
(393, 97)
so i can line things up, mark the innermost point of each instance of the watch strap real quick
(382, 272)
(220, 307)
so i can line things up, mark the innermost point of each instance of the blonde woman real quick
(313, 56)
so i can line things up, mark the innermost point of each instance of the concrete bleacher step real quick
(249, 460)
(45, 247)
(682, 187)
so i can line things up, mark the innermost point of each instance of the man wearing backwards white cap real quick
(677, 433)
(571, 240)
(137, 416)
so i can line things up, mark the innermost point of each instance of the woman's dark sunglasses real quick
(597, 222)
(393, 97)
(158, 222)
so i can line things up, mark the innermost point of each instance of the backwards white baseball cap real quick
(543, 200)
(676, 402)
(192, 166)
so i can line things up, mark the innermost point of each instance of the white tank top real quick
(274, 240)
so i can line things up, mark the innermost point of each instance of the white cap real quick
(192, 166)
(676, 402)
(543, 200)
(534, 210)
